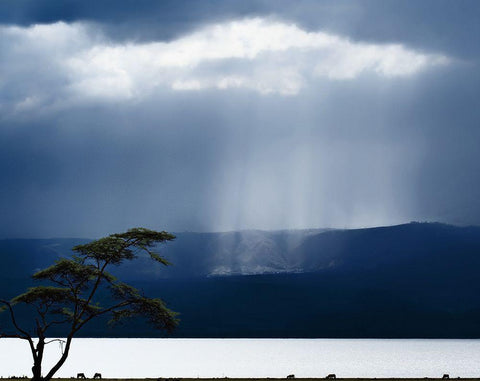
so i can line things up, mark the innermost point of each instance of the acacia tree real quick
(69, 294)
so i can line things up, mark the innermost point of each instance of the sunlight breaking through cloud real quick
(258, 54)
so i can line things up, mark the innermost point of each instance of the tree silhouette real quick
(69, 294)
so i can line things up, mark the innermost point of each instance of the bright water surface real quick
(253, 358)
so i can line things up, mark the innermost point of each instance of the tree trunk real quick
(37, 360)
(60, 362)
(37, 371)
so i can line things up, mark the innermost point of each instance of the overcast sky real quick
(225, 115)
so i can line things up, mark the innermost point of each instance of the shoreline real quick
(267, 378)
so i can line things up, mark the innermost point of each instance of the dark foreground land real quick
(269, 379)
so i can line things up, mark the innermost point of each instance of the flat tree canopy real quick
(68, 294)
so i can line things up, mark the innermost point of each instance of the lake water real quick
(253, 358)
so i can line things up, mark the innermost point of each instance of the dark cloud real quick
(128, 19)
(336, 155)
(443, 25)
(365, 151)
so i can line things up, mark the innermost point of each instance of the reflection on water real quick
(253, 358)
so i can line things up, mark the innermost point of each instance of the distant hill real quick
(411, 280)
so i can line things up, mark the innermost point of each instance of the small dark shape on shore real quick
(291, 376)
(81, 375)
(331, 376)
(445, 376)
(97, 376)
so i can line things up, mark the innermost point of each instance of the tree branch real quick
(109, 309)
(81, 280)
(53, 340)
(127, 243)
(12, 317)
(60, 362)
(92, 293)
(26, 335)
(57, 322)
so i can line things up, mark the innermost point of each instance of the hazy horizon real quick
(251, 230)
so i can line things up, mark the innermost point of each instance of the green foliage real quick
(117, 248)
(154, 310)
(71, 297)
(44, 295)
(68, 272)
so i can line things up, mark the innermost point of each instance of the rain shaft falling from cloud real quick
(242, 122)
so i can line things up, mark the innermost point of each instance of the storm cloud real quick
(250, 116)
